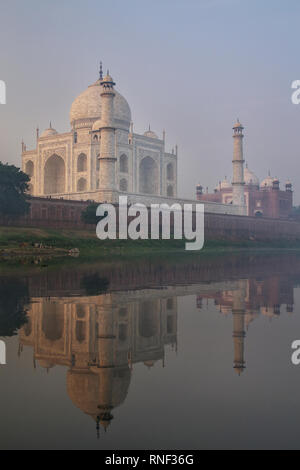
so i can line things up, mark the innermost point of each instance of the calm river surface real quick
(152, 354)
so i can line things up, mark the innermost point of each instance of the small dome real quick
(225, 184)
(108, 78)
(267, 182)
(96, 125)
(238, 125)
(239, 369)
(250, 177)
(49, 132)
(149, 364)
(150, 134)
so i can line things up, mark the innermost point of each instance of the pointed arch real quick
(82, 163)
(54, 175)
(123, 163)
(81, 185)
(170, 172)
(29, 168)
(148, 177)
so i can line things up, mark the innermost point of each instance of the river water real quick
(182, 353)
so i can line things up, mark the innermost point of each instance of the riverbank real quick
(24, 242)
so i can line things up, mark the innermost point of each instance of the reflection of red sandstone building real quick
(251, 299)
(265, 199)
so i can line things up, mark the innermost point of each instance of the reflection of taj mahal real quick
(99, 341)
(101, 155)
(100, 338)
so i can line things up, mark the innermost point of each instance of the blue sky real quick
(191, 67)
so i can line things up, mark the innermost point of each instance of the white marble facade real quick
(68, 165)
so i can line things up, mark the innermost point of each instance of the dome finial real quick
(101, 72)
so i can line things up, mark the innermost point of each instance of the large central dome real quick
(87, 108)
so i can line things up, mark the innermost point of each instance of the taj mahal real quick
(101, 157)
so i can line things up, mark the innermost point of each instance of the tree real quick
(13, 186)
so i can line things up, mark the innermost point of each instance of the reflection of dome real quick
(49, 132)
(96, 394)
(88, 106)
(250, 177)
(45, 364)
(149, 364)
(239, 369)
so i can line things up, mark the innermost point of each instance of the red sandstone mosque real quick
(264, 199)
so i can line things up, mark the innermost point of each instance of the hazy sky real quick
(190, 66)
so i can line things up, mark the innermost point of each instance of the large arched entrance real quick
(148, 319)
(53, 321)
(54, 175)
(148, 176)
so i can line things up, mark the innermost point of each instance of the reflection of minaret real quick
(238, 312)
(105, 368)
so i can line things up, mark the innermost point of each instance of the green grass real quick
(91, 247)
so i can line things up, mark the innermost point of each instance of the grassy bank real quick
(20, 241)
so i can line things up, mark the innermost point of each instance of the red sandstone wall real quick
(56, 213)
(230, 227)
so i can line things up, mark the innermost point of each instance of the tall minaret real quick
(107, 132)
(238, 165)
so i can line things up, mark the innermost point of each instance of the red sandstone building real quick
(264, 199)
